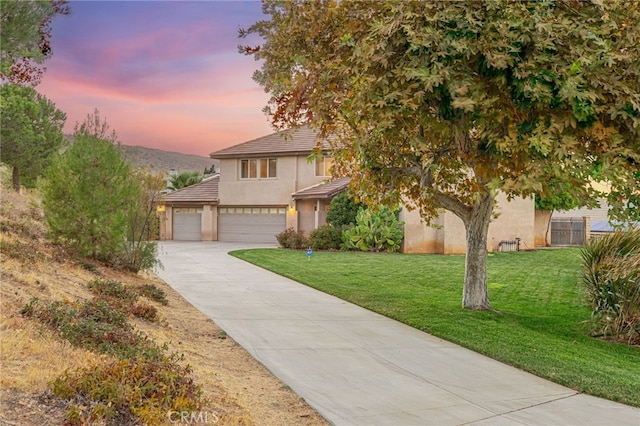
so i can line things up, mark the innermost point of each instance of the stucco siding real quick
(515, 219)
(306, 216)
(542, 239)
(418, 237)
(293, 174)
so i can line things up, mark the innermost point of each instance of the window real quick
(323, 166)
(252, 210)
(261, 168)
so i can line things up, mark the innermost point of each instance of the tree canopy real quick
(441, 104)
(86, 196)
(96, 203)
(25, 31)
(30, 132)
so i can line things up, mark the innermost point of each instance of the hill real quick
(165, 161)
(35, 356)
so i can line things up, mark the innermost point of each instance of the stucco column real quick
(316, 215)
(587, 228)
(168, 223)
(206, 223)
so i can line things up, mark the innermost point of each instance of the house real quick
(265, 186)
(269, 184)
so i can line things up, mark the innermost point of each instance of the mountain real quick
(165, 161)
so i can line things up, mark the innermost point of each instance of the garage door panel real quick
(187, 226)
(257, 228)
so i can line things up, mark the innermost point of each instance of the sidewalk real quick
(356, 367)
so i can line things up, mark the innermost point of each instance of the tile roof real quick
(300, 141)
(323, 190)
(205, 191)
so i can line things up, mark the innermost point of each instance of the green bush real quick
(112, 288)
(325, 238)
(137, 256)
(611, 274)
(375, 231)
(291, 239)
(343, 211)
(154, 293)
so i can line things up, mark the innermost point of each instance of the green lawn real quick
(541, 325)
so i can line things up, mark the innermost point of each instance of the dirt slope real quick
(241, 391)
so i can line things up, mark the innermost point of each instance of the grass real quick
(541, 323)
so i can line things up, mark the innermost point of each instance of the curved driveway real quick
(356, 367)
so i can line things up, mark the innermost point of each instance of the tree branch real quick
(450, 203)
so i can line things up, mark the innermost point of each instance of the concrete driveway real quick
(356, 367)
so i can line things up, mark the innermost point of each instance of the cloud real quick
(163, 73)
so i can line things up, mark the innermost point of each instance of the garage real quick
(251, 224)
(188, 214)
(187, 224)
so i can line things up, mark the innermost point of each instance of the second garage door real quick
(251, 224)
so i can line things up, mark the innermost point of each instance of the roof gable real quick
(205, 191)
(300, 141)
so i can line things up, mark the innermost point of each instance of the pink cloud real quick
(164, 74)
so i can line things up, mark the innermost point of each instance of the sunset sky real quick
(165, 74)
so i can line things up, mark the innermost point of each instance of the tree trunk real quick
(547, 240)
(475, 295)
(16, 179)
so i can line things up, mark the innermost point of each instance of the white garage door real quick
(187, 224)
(251, 224)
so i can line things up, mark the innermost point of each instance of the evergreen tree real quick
(30, 132)
(86, 196)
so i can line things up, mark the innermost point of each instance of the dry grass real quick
(26, 350)
(240, 390)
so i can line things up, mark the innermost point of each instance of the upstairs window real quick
(258, 168)
(323, 166)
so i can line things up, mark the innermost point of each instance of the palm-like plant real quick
(611, 274)
(183, 180)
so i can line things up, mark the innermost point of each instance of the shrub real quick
(343, 211)
(611, 274)
(152, 292)
(137, 256)
(289, 238)
(325, 238)
(145, 311)
(96, 326)
(130, 391)
(375, 231)
(114, 289)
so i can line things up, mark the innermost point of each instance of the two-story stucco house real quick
(265, 186)
(268, 184)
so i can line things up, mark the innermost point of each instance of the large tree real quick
(95, 202)
(88, 192)
(30, 132)
(25, 34)
(443, 104)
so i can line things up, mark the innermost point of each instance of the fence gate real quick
(569, 231)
